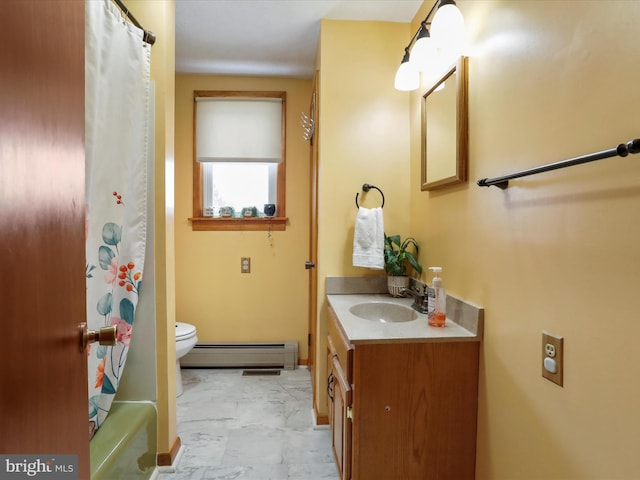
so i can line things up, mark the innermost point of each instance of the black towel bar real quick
(365, 188)
(622, 150)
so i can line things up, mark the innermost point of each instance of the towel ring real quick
(365, 188)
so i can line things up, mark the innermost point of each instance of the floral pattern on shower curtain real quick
(117, 89)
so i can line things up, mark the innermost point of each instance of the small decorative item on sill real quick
(208, 212)
(250, 212)
(269, 209)
(227, 212)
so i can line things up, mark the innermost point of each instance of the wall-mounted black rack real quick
(365, 188)
(622, 150)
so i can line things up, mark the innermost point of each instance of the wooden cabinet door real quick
(415, 410)
(331, 353)
(341, 429)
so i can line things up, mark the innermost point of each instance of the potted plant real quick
(397, 258)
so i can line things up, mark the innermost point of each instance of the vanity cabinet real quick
(339, 395)
(400, 409)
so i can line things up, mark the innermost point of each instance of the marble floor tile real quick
(247, 472)
(254, 445)
(204, 442)
(308, 447)
(313, 471)
(297, 414)
(264, 413)
(250, 428)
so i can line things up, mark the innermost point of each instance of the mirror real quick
(444, 129)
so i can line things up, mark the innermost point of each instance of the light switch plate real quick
(553, 356)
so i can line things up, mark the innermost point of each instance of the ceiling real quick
(266, 37)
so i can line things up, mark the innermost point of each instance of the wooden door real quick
(313, 233)
(43, 373)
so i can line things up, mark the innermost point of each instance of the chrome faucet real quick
(420, 300)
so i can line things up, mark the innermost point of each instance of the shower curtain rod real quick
(149, 37)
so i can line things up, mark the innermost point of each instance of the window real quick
(239, 160)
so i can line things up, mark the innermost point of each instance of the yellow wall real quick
(159, 17)
(270, 303)
(559, 251)
(363, 138)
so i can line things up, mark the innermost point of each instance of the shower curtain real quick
(117, 90)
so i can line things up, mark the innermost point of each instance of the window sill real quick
(199, 224)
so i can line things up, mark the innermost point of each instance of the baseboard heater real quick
(240, 355)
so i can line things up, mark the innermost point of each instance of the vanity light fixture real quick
(407, 76)
(424, 53)
(427, 52)
(447, 27)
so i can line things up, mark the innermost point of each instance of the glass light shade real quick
(407, 77)
(447, 28)
(424, 54)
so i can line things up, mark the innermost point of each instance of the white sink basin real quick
(384, 312)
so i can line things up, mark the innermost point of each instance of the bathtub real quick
(125, 445)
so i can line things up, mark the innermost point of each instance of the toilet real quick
(186, 339)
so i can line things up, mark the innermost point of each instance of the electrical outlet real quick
(550, 350)
(553, 357)
(245, 265)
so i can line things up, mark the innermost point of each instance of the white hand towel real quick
(368, 239)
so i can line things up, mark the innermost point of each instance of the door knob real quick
(104, 336)
(308, 265)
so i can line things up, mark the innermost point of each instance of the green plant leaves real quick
(397, 254)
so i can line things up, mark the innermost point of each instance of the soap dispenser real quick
(437, 300)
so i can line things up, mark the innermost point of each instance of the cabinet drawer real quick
(343, 349)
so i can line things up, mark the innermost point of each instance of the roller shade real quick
(238, 129)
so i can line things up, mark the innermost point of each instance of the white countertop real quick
(359, 330)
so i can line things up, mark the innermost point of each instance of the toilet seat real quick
(184, 331)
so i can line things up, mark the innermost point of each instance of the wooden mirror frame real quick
(460, 156)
